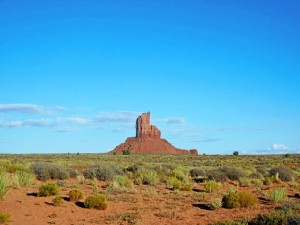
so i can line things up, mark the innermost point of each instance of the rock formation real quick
(147, 140)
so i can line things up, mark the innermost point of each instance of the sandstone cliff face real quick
(148, 140)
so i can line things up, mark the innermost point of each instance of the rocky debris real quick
(148, 140)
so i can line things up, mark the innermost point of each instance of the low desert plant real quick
(22, 179)
(146, 176)
(80, 179)
(277, 195)
(243, 181)
(96, 201)
(44, 171)
(75, 195)
(211, 186)
(4, 217)
(58, 200)
(216, 203)
(285, 174)
(48, 190)
(237, 199)
(103, 172)
(3, 185)
(233, 173)
(197, 172)
(119, 185)
(217, 175)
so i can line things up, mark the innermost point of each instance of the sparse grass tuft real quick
(75, 195)
(3, 185)
(4, 217)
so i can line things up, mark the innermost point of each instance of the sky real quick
(219, 76)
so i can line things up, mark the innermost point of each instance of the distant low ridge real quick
(148, 140)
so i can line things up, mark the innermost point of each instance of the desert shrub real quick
(96, 201)
(48, 190)
(126, 152)
(186, 187)
(179, 185)
(211, 186)
(3, 184)
(284, 173)
(229, 223)
(233, 173)
(274, 218)
(22, 179)
(145, 176)
(268, 180)
(239, 199)
(256, 175)
(75, 195)
(247, 199)
(174, 182)
(58, 200)
(80, 179)
(217, 175)
(72, 173)
(119, 184)
(277, 195)
(263, 170)
(180, 174)
(257, 183)
(293, 220)
(4, 217)
(243, 181)
(44, 171)
(197, 172)
(216, 203)
(103, 172)
(61, 183)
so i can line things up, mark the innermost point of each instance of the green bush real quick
(146, 176)
(22, 179)
(4, 217)
(237, 199)
(96, 201)
(48, 190)
(126, 152)
(235, 153)
(3, 185)
(180, 174)
(211, 186)
(277, 195)
(58, 200)
(75, 195)
(216, 203)
(119, 185)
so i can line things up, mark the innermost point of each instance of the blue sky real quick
(219, 76)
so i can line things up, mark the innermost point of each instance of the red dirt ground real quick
(144, 205)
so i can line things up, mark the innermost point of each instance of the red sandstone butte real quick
(147, 140)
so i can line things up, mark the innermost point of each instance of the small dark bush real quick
(197, 172)
(217, 175)
(285, 174)
(96, 201)
(274, 218)
(48, 190)
(293, 220)
(262, 170)
(235, 153)
(75, 195)
(126, 152)
(256, 175)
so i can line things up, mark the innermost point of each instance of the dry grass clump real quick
(96, 201)
(75, 195)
